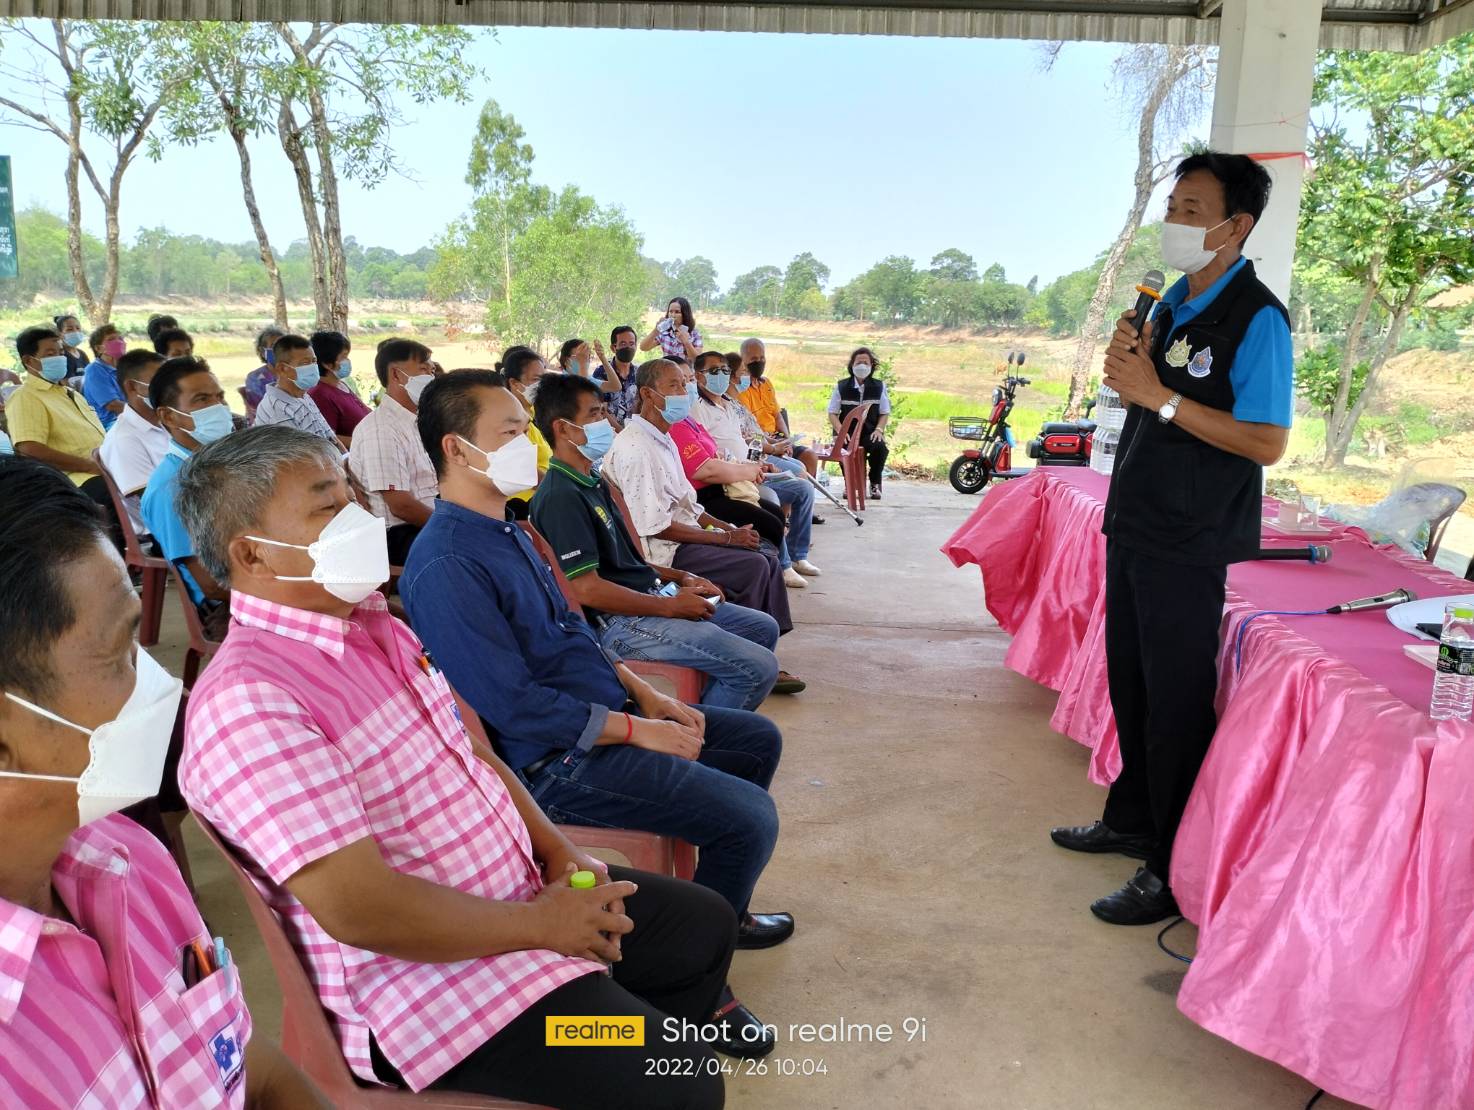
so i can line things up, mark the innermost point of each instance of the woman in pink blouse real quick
(334, 397)
(676, 334)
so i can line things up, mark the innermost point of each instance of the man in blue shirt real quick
(594, 743)
(100, 384)
(1209, 382)
(191, 406)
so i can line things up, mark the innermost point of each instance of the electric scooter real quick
(1065, 443)
(993, 457)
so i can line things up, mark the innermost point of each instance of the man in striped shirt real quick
(287, 402)
(427, 894)
(104, 999)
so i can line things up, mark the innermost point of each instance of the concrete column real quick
(1266, 67)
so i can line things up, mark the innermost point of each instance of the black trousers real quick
(401, 537)
(875, 456)
(768, 521)
(1161, 635)
(96, 489)
(674, 966)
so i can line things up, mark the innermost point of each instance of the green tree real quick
(995, 274)
(758, 291)
(953, 265)
(1389, 205)
(805, 274)
(45, 269)
(693, 278)
(894, 286)
(109, 86)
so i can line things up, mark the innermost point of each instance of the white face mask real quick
(512, 467)
(1182, 246)
(415, 387)
(350, 557)
(861, 370)
(128, 752)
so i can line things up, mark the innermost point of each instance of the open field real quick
(1424, 412)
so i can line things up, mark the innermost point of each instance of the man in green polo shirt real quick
(641, 611)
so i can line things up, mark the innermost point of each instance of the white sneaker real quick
(804, 567)
(794, 580)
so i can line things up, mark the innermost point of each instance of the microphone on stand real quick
(1381, 601)
(1314, 553)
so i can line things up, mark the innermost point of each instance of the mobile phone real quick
(670, 589)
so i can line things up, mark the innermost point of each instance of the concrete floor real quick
(919, 781)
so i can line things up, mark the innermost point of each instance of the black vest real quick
(1172, 495)
(851, 395)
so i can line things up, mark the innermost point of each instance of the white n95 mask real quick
(128, 752)
(512, 467)
(350, 557)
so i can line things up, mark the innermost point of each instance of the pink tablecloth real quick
(1328, 850)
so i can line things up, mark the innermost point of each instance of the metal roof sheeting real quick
(1401, 25)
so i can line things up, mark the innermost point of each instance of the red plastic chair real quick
(688, 682)
(155, 571)
(661, 855)
(201, 647)
(848, 450)
(306, 1034)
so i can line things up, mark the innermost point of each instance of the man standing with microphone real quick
(1210, 384)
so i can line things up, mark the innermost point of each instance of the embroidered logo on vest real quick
(1177, 355)
(1202, 363)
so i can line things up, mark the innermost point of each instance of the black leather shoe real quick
(1144, 900)
(789, 684)
(875, 493)
(763, 930)
(740, 1033)
(817, 519)
(1098, 838)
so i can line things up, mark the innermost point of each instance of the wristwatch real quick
(1168, 412)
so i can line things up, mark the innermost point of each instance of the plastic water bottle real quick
(1453, 684)
(1110, 410)
(1103, 449)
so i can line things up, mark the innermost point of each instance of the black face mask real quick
(757, 366)
(625, 354)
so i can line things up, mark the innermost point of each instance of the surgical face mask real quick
(743, 381)
(350, 557)
(512, 467)
(127, 753)
(1183, 249)
(675, 409)
(270, 358)
(624, 354)
(692, 392)
(210, 423)
(53, 367)
(75, 338)
(415, 387)
(717, 383)
(574, 367)
(308, 376)
(139, 393)
(861, 370)
(115, 347)
(345, 369)
(757, 366)
(599, 437)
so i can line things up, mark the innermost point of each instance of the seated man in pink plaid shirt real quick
(428, 896)
(113, 994)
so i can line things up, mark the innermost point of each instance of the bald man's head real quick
(754, 356)
(752, 348)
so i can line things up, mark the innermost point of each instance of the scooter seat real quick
(1086, 426)
(1066, 429)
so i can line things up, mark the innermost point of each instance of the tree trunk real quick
(1174, 66)
(1346, 429)
(263, 241)
(1339, 429)
(74, 213)
(291, 142)
(110, 243)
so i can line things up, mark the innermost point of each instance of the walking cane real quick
(836, 502)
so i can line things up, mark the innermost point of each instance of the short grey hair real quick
(648, 375)
(224, 488)
(752, 342)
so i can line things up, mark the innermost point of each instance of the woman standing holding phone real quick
(676, 334)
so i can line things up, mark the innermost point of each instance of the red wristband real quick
(629, 727)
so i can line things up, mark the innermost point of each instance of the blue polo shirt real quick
(490, 613)
(162, 519)
(1263, 371)
(100, 386)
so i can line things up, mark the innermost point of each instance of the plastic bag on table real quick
(1405, 516)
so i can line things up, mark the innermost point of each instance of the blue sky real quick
(747, 149)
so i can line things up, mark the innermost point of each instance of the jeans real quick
(734, 649)
(720, 802)
(799, 494)
(785, 462)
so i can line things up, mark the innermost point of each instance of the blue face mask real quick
(54, 367)
(574, 368)
(692, 392)
(75, 338)
(742, 383)
(600, 435)
(308, 376)
(210, 423)
(345, 369)
(717, 383)
(676, 408)
(270, 357)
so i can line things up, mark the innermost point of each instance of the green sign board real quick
(9, 258)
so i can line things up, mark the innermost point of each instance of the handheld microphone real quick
(1314, 553)
(1381, 601)
(1151, 294)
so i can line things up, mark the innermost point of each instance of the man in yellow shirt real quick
(51, 423)
(761, 399)
(523, 368)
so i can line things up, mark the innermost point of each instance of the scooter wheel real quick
(968, 475)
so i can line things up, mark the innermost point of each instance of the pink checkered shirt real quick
(96, 1014)
(308, 733)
